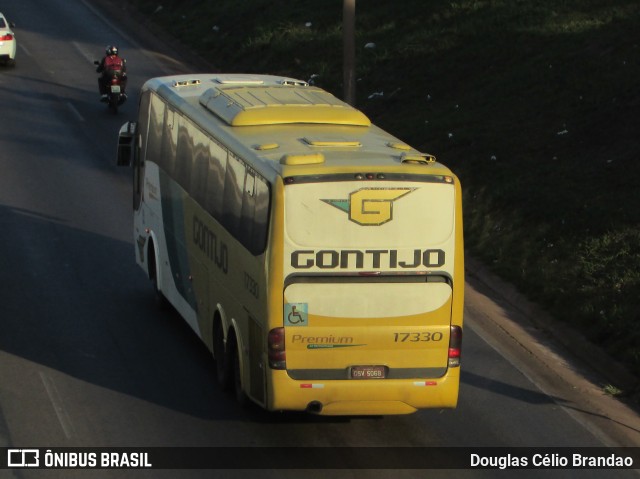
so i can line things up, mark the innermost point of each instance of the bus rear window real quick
(369, 215)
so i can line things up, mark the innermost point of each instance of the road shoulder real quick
(563, 364)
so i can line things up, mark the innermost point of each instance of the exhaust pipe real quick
(314, 407)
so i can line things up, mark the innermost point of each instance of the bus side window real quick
(143, 123)
(200, 173)
(215, 179)
(156, 121)
(255, 211)
(169, 139)
(184, 153)
(248, 209)
(232, 196)
(260, 217)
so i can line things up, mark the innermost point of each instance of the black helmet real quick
(112, 50)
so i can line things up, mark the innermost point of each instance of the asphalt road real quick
(86, 359)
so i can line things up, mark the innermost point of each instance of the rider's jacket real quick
(111, 64)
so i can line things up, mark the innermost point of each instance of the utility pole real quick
(348, 36)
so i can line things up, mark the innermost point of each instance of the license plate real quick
(115, 88)
(368, 372)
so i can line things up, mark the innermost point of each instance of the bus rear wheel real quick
(161, 300)
(223, 366)
(241, 396)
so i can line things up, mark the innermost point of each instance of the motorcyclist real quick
(110, 65)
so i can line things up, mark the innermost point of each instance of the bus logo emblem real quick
(370, 206)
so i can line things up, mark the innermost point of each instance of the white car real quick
(7, 42)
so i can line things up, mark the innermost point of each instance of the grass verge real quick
(533, 103)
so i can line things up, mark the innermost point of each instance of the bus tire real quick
(241, 396)
(223, 366)
(161, 300)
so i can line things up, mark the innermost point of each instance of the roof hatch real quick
(335, 142)
(255, 104)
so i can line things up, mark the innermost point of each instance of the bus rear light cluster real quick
(455, 346)
(276, 349)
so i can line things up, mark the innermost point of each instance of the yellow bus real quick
(318, 257)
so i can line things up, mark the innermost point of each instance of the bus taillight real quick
(455, 346)
(276, 349)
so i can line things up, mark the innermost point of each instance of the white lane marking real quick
(90, 58)
(25, 50)
(75, 111)
(58, 407)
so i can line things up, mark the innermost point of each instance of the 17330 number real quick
(417, 337)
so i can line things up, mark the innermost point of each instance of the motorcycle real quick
(115, 94)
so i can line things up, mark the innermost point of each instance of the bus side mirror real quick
(126, 143)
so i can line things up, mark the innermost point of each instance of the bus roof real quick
(287, 125)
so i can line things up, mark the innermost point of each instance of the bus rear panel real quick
(369, 266)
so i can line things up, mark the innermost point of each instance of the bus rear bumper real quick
(364, 397)
(366, 408)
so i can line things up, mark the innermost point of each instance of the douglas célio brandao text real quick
(550, 460)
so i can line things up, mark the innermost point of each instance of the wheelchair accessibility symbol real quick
(295, 314)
